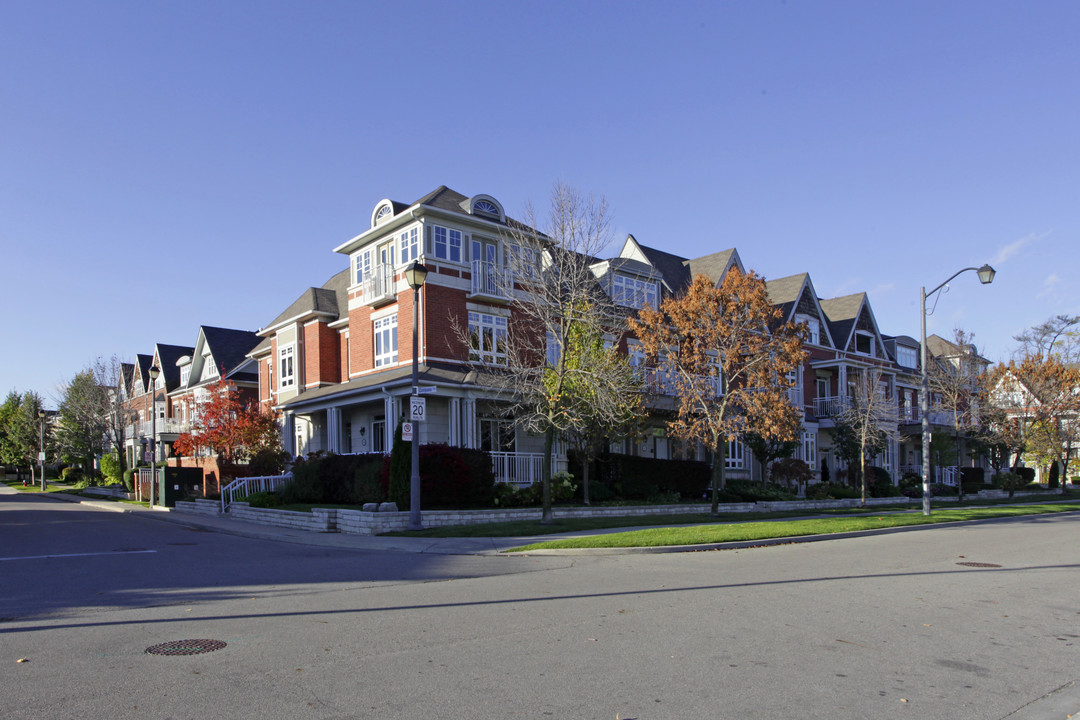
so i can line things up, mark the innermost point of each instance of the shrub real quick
(1054, 479)
(832, 491)
(746, 491)
(628, 477)
(112, 467)
(305, 486)
(972, 475)
(1010, 481)
(367, 482)
(75, 475)
(264, 500)
(400, 470)
(792, 472)
(879, 483)
(267, 462)
(129, 479)
(1026, 474)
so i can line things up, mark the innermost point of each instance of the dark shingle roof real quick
(711, 266)
(229, 347)
(167, 356)
(842, 313)
(673, 267)
(330, 299)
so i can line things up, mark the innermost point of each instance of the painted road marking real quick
(46, 557)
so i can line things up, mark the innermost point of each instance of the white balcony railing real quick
(378, 285)
(490, 279)
(166, 426)
(831, 406)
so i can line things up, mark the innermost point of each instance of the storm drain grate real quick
(185, 647)
(976, 564)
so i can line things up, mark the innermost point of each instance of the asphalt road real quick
(874, 627)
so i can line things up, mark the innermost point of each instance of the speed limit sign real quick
(417, 408)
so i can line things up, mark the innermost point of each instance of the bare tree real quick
(955, 375)
(1060, 336)
(536, 361)
(869, 415)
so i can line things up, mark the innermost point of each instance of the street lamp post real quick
(415, 275)
(986, 276)
(41, 447)
(154, 372)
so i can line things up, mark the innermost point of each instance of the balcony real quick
(378, 286)
(831, 406)
(490, 280)
(166, 426)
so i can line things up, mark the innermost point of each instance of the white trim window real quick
(809, 449)
(907, 356)
(446, 243)
(385, 341)
(864, 343)
(632, 292)
(410, 245)
(736, 455)
(813, 328)
(185, 375)
(362, 266)
(487, 338)
(287, 370)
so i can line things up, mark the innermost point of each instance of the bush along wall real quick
(450, 477)
(627, 477)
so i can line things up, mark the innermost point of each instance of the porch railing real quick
(522, 469)
(829, 406)
(242, 487)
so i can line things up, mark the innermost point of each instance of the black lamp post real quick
(986, 276)
(415, 275)
(41, 447)
(154, 372)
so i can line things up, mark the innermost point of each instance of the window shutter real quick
(466, 241)
(428, 248)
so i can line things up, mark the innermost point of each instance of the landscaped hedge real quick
(628, 477)
(450, 477)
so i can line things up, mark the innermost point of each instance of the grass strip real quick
(743, 532)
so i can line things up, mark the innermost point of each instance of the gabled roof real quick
(939, 347)
(330, 301)
(673, 267)
(228, 348)
(842, 314)
(715, 265)
(796, 294)
(167, 355)
(143, 373)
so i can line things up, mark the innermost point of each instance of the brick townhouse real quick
(336, 363)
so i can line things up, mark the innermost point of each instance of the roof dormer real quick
(486, 206)
(384, 210)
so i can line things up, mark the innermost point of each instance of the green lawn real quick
(749, 531)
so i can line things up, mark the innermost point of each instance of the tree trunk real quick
(862, 473)
(586, 461)
(549, 442)
(718, 473)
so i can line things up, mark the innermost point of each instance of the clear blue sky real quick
(169, 164)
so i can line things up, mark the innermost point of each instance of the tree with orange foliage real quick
(1044, 392)
(726, 355)
(228, 428)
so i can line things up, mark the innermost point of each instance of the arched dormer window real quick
(487, 206)
(384, 210)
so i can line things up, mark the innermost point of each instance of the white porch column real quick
(333, 430)
(468, 424)
(454, 439)
(288, 434)
(390, 408)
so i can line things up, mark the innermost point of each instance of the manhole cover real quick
(975, 564)
(185, 647)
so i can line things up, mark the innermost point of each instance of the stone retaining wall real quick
(358, 522)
